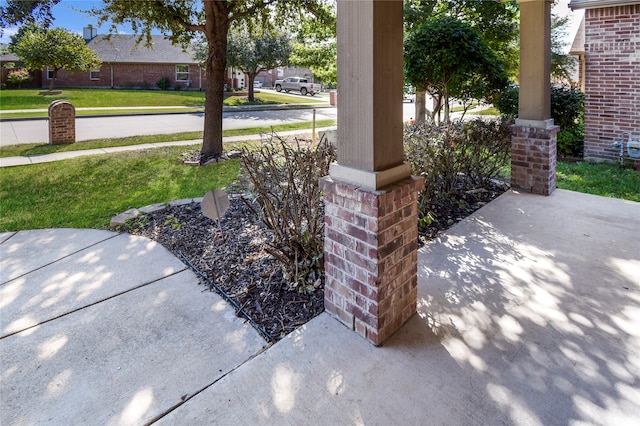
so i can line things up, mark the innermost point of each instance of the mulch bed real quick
(231, 259)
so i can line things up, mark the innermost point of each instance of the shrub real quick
(567, 107)
(456, 157)
(567, 111)
(18, 77)
(507, 102)
(571, 142)
(177, 86)
(163, 83)
(284, 181)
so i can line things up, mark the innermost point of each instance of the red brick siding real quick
(127, 75)
(371, 242)
(612, 103)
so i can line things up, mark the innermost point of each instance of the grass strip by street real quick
(94, 112)
(44, 148)
(101, 98)
(607, 180)
(87, 192)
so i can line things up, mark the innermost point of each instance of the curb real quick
(198, 110)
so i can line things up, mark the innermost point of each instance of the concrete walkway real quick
(529, 314)
(57, 156)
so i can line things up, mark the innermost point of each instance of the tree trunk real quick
(447, 118)
(252, 78)
(215, 67)
(421, 106)
(53, 79)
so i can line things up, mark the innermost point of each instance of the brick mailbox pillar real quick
(62, 123)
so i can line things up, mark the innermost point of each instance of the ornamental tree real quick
(55, 49)
(445, 57)
(255, 54)
(496, 23)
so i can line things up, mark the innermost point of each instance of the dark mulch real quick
(232, 260)
(448, 210)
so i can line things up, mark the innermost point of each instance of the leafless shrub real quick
(457, 157)
(284, 179)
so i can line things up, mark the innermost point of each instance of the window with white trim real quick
(182, 72)
(49, 74)
(94, 75)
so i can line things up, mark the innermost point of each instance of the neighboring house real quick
(128, 64)
(608, 45)
(5, 68)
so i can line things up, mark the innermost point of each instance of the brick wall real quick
(127, 76)
(612, 54)
(371, 242)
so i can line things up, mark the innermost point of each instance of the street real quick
(37, 131)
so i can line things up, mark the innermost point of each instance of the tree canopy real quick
(446, 57)
(562, 64)
(253, 54)
(17, 12)
(315, 47)
(55, 49)
(495, 23)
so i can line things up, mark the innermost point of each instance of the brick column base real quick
(533, 159)
(371, 256)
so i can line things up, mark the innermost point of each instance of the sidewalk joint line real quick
(57, 260)
(96, 302)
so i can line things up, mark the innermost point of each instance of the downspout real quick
(111, 67)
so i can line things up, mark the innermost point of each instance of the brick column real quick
(62, 123)
(533, 159)
(534, 137)
(371, 242)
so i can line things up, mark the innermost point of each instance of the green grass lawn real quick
(101, 98)
(39, 149)
(607, 180)
(87, 192)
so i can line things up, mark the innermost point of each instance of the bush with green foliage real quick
(285, 183)
(567, 111)
(163, 83)
(456, 157)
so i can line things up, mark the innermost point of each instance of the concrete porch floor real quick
(529, 314)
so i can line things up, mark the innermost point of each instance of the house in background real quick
(128, 64)
(608, 46)
(10, 62)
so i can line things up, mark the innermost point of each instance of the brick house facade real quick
(126, 64)
(611, 55)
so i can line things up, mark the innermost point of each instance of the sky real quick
(67, 16)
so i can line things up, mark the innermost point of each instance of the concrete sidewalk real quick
(47, 158)
(529, 314)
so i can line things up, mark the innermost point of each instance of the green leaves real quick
(446, 57)
(57, 49)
